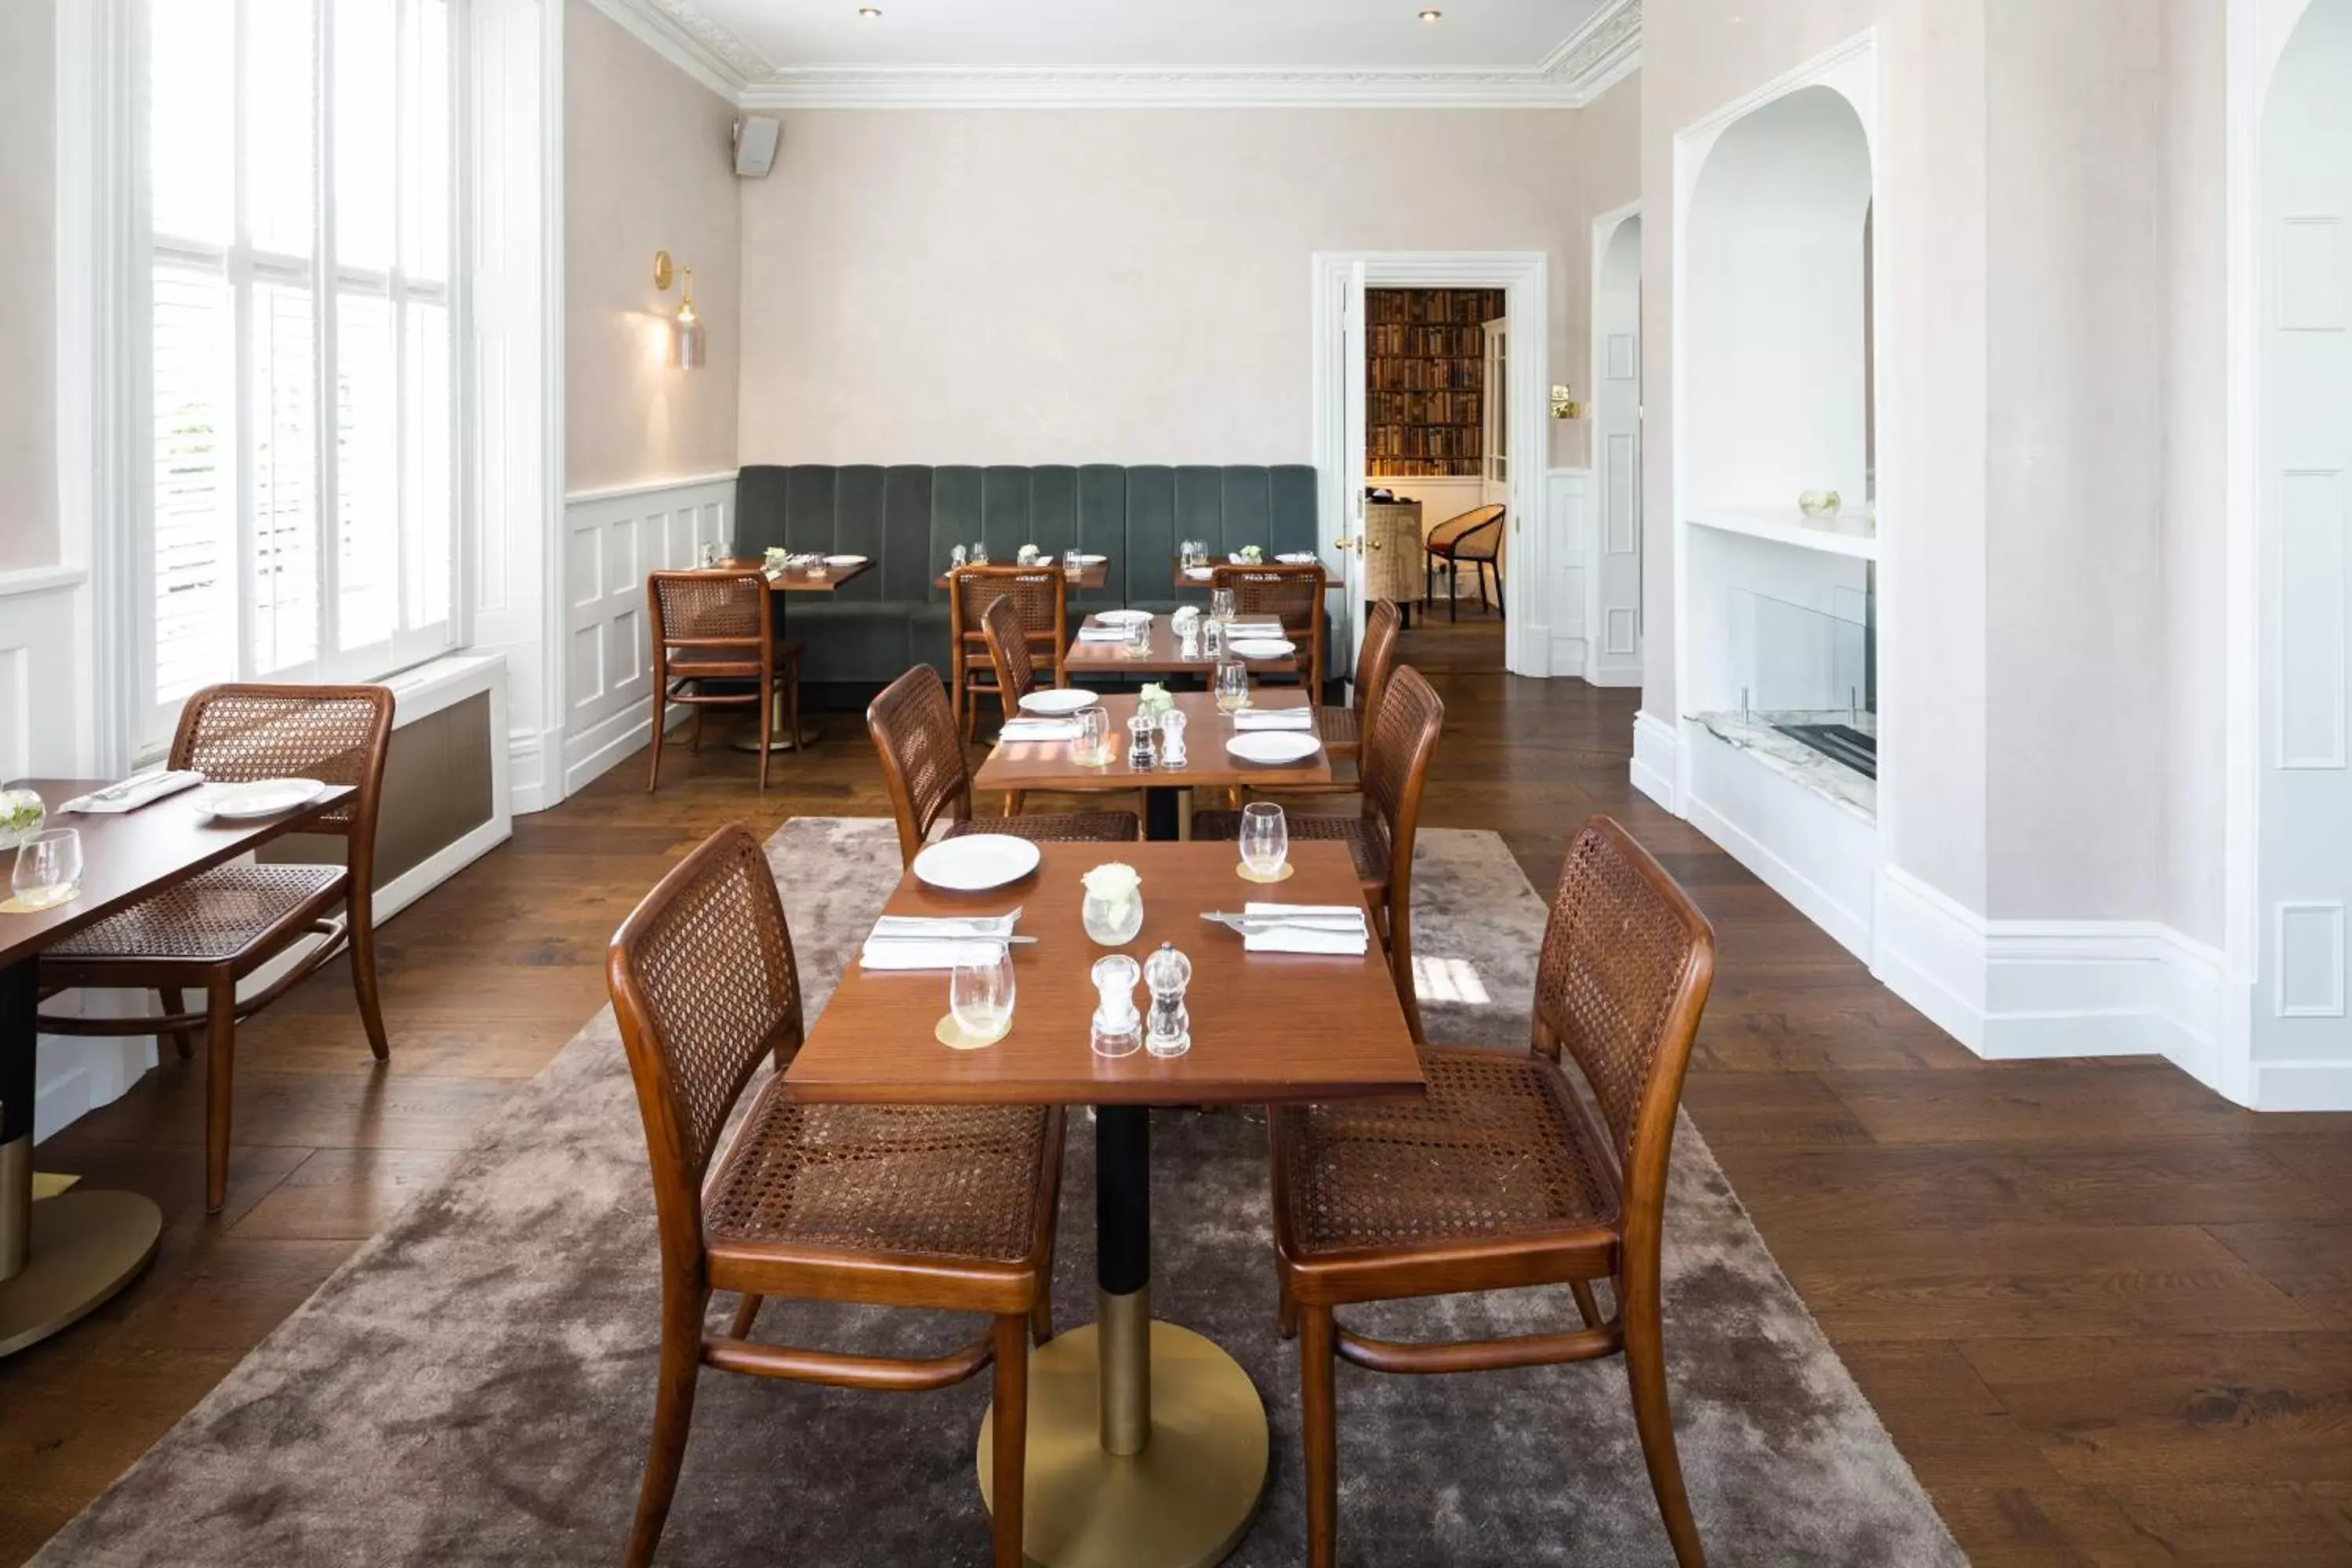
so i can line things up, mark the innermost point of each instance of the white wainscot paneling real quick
(2311, 274)
(612, 538)
(1820, 856)
(1568, 504)
(2313, 518)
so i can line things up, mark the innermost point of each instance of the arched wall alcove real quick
(1776, 307)
(2305, 335)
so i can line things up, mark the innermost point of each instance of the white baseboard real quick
(1655, 768)
(1816, 902)
(2016, 990)
(2303, 1086)
(606, 746)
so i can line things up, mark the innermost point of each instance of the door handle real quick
(1344, 544)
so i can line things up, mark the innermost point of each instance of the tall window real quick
(299, 201)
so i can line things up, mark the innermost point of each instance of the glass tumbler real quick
(1266, 839)
(48, 869)
(1092, 748)
(1231, 683)
(980, 990)
(1222, 606)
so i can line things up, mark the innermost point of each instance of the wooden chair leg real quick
(1010, 1439)
(681, 1358)
(1502, 611)
(362, 913)
(1453, 591)
(767, 723)
(220, 1084)
(792, 702)
(652, 773)
(747, 1310)
(1013, 799)
(1286, 1311)
(1645, 1373)
(693, 742)
(173, 1002)
(1586, 1307)
(1399, 940)
(1318, 1402)
(1041, 1316)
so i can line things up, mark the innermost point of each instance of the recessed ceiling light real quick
(1431, 14)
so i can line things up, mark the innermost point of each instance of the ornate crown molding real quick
(1594, 58)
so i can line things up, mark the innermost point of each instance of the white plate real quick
(976, 862)
(1123, 617)
(261, 798)
(1271, 746)
(844, 561)
(1202, 573)
(1057, 700)
(1085, 560)
(1298, 558)
(1264, 647)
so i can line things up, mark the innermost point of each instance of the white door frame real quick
(1525, 277)
(1597, 669)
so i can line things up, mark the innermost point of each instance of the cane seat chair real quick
(1292, 595)
(946, 1208)
(1392, 771)
(1499, 1178)
(1015, 665)
(1476, 537)
(209, 933)
(1040, 596)
(929, 779)
(715, 645)
(1342, 727)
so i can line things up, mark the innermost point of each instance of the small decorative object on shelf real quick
(1819, 503)
(1153, 699)
(22, 812)
(1168, 973)
(1113, 910)
(1117, 1027)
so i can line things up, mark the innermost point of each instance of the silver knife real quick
(1249, 925)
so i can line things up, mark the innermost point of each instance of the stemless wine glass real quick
(1092, 748)
(48, 869)
(1265, 838)
(980, 989)
(1232, 686)
(1222, 606)
(1072, 564)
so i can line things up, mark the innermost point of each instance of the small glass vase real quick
(1112, 923)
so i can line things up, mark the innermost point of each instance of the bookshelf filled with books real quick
(1426, 380)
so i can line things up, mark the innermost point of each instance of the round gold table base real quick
(1184, 1503)
(86, 1245)
(747, 737)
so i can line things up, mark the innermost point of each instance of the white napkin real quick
(1199, 574)
(1301, 939)
(1038, 730)
(132, 794)
(934, 952)
(1102, 634)
(1275, 719)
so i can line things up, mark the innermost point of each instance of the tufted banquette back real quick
(908, 517)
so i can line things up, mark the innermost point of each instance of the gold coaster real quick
(16, 906)
(1246, 875)
(949, 1032)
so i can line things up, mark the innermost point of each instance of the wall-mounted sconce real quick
(686, 330)
(1564, 404)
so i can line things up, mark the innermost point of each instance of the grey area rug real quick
(476, 1385)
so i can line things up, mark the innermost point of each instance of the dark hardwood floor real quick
(2107, 1316)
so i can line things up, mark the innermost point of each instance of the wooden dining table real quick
(771, 729)
(1147, 1443)
(1092, 575)
(1183, 577)
(66, 1254)
(1054, 764)
(1164, 653)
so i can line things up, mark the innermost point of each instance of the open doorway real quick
(1437, 468)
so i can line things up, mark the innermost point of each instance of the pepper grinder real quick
(1118, 1028)
(1168, 1032)
(1172, 739)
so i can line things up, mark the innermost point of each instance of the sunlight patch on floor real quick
(1448, 980)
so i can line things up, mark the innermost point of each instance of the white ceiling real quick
(788, 53)
(1352, 35)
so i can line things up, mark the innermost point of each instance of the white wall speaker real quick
(756, 136)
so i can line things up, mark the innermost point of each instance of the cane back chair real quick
(1342, 728)
(1040, 596)
(947, 1208)
(210, 931)
(1292, 593)
(1500, 1178)
(1476, 537)
(713, 632)
(1394, 769)
(1010, 655)
(923, 763)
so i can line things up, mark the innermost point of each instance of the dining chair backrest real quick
(1040, 596)
(1376, 655)
(1294, 593)
(1466, 534)
(336, 734)
(704, 986)
(915, 734)
(1397, 751)
(1009, 650)
(716, 618)
(1622, 979)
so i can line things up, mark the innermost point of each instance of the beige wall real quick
(1130, 285)
(29, 460)
(646, 167)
